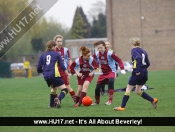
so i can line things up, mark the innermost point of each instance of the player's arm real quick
(147, 61)
(94, 66)
(117, 59)
(40, 65)
(69, 58)
(95, 58)
(74, 66)
(60, 62)
(137, 61)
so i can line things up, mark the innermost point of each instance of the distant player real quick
(84, 67)
(48, 65)
(64, 52)
(106, 60)
(139, 75)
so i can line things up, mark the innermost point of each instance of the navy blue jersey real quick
(140, 60)
(48, 64)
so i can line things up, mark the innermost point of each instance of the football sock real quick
(146, 96)
(77, 99)
(83, 94)
(97, 99)
(72, 94)
(125, 99)
(52, 97)
(62, 94)
(97, 93)
(111, 94)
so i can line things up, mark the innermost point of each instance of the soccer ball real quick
(87, 101)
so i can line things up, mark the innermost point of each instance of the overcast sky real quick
(64, 10)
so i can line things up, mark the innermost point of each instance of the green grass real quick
(21, 97)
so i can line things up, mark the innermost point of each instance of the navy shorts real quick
(55, 82)
(138, 79)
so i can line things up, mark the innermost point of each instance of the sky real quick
(64, 10)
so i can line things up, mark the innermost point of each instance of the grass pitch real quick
(21, 97)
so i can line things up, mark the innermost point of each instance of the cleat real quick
(50, 106)
(95, 103)
(109, 102)
(77, 105)
(154, 103)
(57, 101)
(119, 108)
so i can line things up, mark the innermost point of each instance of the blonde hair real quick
(108, 41)
(57, 36)
(84, 50)
(135, 41)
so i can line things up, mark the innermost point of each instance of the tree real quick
(96, 9)
(87, 27)
(37, 44)
(79, 26)
(98, 28)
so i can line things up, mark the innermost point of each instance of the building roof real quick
(86, 39)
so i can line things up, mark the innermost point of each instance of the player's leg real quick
(84, 91)
(144, 95)
(97, 94)
(125, 98)
(52, 93)
(78, 94)
(131, 83)
(66, 80)
(110, 91)
(103, 90)
(52, 97)
(57, 82)
(62, 94)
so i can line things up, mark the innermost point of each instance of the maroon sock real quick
(83, 94)
(72, 94)
(97, 99)
(111, 94)
(77, 99)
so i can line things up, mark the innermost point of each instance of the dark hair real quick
(84, 50)
(99, 42)
(49, 45)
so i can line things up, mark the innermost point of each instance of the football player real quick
(84, 67)
(65, 55)
(106, 60)
(48, 64)
(139, 75)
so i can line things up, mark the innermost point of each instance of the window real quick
(74, 52)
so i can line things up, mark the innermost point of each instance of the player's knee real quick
(65, 90)
(138, 92)
(85, 86)
(53, 90)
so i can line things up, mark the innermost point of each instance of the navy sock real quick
(61, 96)
(124, 100)
(52, 97)
(146, 96)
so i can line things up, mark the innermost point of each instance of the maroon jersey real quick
(65, 55)
(84, 66)
(107, 61)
